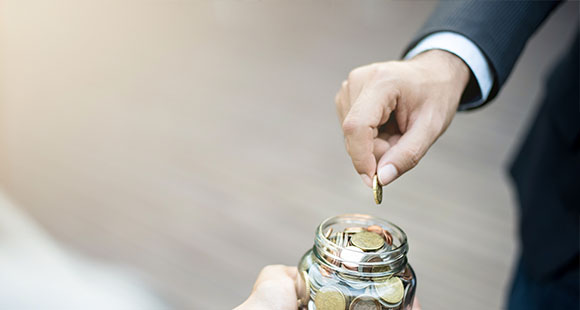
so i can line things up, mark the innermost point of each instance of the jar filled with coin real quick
(358, 262)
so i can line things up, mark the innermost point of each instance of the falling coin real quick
(391, 290)
(330, 298)
(364, 302)
(367, 241)
(377, 190)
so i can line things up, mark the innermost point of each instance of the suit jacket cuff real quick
(479, 88)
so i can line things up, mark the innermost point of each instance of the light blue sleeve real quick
(465, 49)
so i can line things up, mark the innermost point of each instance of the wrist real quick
(449, 67)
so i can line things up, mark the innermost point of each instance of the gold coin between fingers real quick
(367, 241)
(391, 290)
(377, 190)
(330, 298)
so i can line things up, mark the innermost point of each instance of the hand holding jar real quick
(358, 262)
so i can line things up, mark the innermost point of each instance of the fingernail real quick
(387, 174)
(367, 180)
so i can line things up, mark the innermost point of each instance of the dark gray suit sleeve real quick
(499, 28)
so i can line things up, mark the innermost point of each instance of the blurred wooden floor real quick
(198, 142)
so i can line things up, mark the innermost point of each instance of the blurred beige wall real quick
(198, 142)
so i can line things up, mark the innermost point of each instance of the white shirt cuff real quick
(465, 49)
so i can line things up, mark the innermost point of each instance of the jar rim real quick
(394, 259)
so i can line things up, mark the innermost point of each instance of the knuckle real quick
(388, 87)
(271, 268)
(386, 78)
(358, 73)
(349, 126)
(382, 70)
(385, 68)
(354, 74)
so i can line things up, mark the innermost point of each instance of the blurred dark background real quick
(197, 142)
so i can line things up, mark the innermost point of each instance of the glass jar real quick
(358, 262)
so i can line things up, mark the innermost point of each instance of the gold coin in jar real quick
(391, 291)
(330, 298)
(364, 302)
(367, 241)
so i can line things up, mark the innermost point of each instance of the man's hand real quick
(392, 112)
